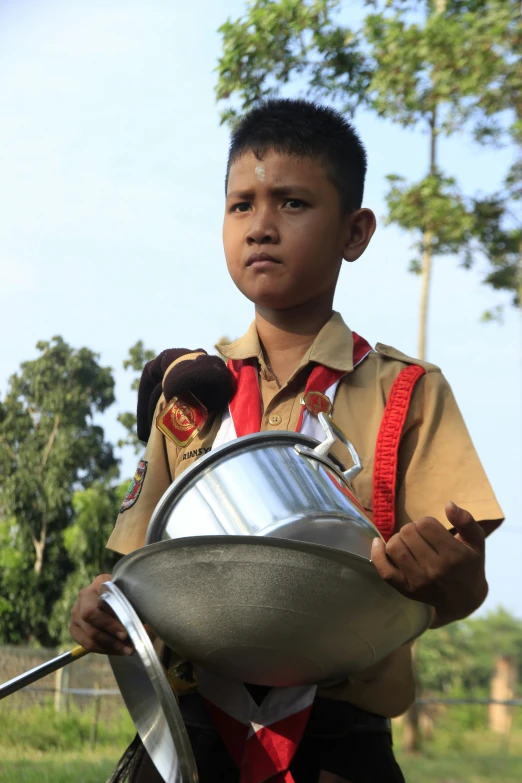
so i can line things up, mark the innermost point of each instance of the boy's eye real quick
(243, 206)
(294, 203)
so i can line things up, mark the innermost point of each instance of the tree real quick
(136, 360)
(50, 447)
(278, 40)
(94, 512)
(498, 222)
(418, 64)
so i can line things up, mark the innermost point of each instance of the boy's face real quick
(284, 234)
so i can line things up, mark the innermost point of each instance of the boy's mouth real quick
(261, 258)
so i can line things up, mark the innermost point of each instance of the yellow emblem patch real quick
(182, 419)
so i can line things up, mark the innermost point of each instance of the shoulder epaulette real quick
(393, 353)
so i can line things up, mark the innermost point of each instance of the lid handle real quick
(333, 434)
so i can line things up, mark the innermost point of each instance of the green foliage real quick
(276, 41)
(458, 659)
(432, 72)
(50, 447)
(22, 604)
(502, 242)
(95, 510)
(136, 361)
(439, 64)
(432, 206)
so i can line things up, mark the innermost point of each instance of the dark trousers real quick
(350, 744)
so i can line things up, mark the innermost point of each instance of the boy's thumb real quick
(469, 531)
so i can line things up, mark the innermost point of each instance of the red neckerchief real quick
(246, 405)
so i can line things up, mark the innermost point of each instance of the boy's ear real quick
(361, 226)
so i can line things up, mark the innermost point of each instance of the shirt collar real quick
(333, 346)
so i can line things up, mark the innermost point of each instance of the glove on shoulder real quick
(206, 377)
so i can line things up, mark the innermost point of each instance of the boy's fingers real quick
(434, 533)
(94, 640)
(386, 569)
(469, 531)
(98, 617)
(108, 621)
(422, 550)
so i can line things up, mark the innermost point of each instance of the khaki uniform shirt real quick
(437, 463)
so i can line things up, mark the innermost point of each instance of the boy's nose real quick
(261, 238)
(262, 231)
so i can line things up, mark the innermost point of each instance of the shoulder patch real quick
(135, 486)
(182, 419)
(393, 353)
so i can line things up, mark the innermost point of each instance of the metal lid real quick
(149, 698)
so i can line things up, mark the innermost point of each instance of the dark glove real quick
(206, 377)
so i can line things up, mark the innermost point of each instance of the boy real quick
(295, 181)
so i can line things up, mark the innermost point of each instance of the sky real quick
(111, 200)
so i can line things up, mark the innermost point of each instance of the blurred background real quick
(114, 124)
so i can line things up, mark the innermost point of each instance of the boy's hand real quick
(94, 626)
(425, 562)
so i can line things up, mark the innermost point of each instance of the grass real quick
(32, 766)
(43, 729)
(462, 769)
(465, 757)
(40, 746)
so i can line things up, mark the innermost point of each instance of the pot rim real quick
(190, 475)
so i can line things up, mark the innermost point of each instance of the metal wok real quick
(268, 611)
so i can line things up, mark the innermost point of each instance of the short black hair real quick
(305, 129)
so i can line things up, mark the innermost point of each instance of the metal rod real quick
(19, 682)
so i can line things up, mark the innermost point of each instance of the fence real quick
(88, 686)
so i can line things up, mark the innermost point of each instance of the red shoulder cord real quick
(387, 449)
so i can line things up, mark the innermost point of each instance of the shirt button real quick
(275, 419)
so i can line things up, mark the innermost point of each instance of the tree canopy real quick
(440, 65)
(50, 448)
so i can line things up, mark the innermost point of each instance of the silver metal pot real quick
(280, 484)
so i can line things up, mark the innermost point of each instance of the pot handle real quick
(333, 433)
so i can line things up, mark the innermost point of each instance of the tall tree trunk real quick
(39, 549)
(427, 240)
(50, 442)
(520, 276)
(40, 543)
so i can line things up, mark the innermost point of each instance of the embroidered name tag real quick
(195, 453)
(182, 419)
(135, 486)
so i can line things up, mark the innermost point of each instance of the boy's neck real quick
(286, 335)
